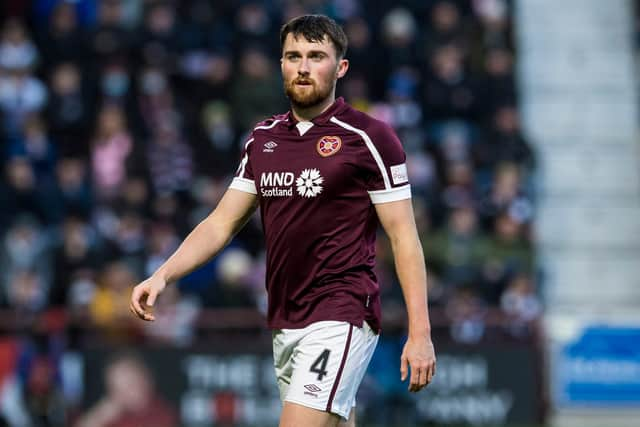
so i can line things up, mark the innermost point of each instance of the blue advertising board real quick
(600, 368)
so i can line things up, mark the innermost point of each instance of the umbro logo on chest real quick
(269, 146)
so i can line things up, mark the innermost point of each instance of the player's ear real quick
(343, 66)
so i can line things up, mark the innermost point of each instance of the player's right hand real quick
(144, 296)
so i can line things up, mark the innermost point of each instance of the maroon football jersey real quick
(316, 183)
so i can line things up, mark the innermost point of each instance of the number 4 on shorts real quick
(320, 365)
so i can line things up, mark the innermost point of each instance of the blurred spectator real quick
(504, 141)
(22, 195)
(76, 254)
(207, 192)
(130, 398)
(495, 25)
(27, 292)
(35, 146)
(421, 166)
(506, 194)
(459, 189)
(170, 160)
(406, 111)
(17, 51)
(218, 127)
(109, 38)
(69, 111)
(448, 90)
(508, 253)
(497, 84)
(81, 290)
(158, 40)
(115, 83)
(135, 196)
(110, 307)
(363, 58)
(170, 208)
(206, 26)
(466, 311)
(62, 40)
(217, 75)
(254, 27)
(399, 37)
(456, 251)
(232, 288)
(43, 397)
(74, 191)
(126, 240)
(520, 302)
(257, 89)
(21, 93)
(438, 291)
(155, 99)
(163, 241)
(25, 247)
(446, 27)
(111, 146)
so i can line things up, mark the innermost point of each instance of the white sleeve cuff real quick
(244, 184)
(391, 195)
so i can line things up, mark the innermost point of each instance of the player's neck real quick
(308, 114)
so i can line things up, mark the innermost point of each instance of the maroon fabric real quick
(345, 354)
(318, 218)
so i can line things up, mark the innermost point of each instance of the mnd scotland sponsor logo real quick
(281, 184)
(276, 184)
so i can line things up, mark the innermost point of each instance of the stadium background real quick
(121, 123)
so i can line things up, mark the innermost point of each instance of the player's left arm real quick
(418, 354)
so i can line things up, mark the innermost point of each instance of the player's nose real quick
(303, 68)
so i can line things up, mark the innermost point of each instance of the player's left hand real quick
(419, 356)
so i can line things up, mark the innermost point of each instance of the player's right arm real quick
(205, 241)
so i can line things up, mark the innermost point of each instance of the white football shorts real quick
(322, 365)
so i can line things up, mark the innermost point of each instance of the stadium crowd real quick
(122, 122)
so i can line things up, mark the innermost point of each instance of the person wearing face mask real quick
(115, 82)
(155, 102)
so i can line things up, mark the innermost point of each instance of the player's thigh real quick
(295, 415)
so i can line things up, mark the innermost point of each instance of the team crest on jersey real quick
(329, 145)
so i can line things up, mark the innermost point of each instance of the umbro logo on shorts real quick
(312, 390)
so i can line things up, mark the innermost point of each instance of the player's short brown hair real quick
(314, 28)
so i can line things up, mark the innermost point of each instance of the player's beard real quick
(312, 95)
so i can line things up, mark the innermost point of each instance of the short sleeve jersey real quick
(317, 183)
